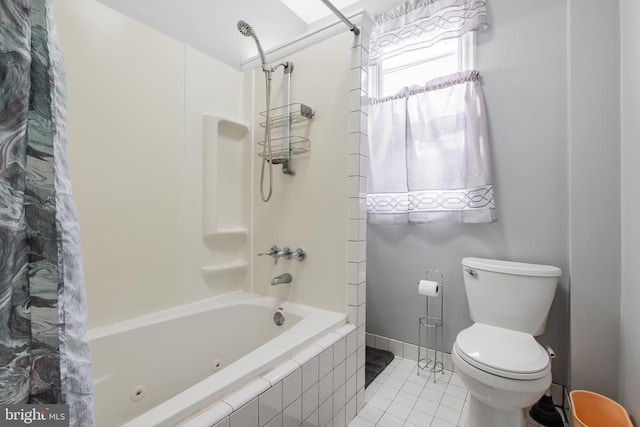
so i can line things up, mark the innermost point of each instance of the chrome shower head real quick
(247, 31)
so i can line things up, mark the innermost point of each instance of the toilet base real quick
(483, 415)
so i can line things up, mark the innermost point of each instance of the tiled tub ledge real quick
(318, 385)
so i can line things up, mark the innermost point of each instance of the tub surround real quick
(98, 44)
(136, 102)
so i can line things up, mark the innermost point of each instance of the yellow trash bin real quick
(590, 409)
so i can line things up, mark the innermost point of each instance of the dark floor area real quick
(375, 362)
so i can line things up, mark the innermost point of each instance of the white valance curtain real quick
(428, 145)
(423, 23)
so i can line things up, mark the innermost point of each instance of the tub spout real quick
(283, 278)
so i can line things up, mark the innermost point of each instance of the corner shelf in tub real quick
(227, 267)
(240, 232)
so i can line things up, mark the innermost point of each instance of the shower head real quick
(247, 31)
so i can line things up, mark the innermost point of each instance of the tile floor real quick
(399, 397)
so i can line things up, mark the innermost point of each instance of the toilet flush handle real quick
(471, 272)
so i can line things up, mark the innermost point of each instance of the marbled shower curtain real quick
(44, 355)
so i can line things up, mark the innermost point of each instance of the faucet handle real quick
(272, 251)
(300, 254)
(284, 253)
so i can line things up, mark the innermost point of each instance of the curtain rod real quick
(339, 14)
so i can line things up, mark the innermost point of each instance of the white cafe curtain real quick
(428, 145)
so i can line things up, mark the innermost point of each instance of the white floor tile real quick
(388, 391)
(448, 414)
(431, 394)
(371, 413)
(417, 379)
(361, 422)
(389, 420)
(426, 406)
(413, 388)
(379, 402)
(437, 422)
(406, 364)
(455, 380)
(399, 410)
(407, 399)
(452, 402)
(399, 397)
(419, 418)
(395, 382)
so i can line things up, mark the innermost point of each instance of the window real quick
(419, 65)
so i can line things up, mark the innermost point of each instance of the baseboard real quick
(404, 349)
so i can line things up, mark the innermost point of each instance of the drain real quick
(216, 365)
(137, 393)
(278, 318)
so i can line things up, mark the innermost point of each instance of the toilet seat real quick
(503, 352)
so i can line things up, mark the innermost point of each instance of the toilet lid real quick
(503, 352)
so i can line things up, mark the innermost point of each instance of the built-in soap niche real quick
(225, 192)
(225, 179)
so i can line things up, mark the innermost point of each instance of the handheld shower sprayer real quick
(267, 155)
(247, 31)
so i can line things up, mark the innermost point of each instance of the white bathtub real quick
(160, 368)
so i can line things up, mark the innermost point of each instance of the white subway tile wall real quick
(319, 386)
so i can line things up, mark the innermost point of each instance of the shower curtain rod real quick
(339, 14)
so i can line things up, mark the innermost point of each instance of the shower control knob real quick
(300, 254)
(285, 253)
(273, 251)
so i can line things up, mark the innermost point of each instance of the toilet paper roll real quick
(429, 288)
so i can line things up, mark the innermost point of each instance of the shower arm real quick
(339, 14)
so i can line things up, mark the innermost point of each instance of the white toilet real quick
(498, 358)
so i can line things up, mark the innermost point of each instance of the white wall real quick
(309, 209)
(212, 88)
(136, 99)
(630, 294)
(522, 63)
(594, 136)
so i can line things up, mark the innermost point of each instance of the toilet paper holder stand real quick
(430, 330)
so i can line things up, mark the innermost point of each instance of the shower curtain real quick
(44, 355)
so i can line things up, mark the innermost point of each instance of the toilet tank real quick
(511, 295)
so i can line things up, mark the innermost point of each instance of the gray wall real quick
(595, 194)
(630, 315)
(523, 64)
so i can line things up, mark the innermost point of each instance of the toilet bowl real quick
(505, 369)
(498, 394)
